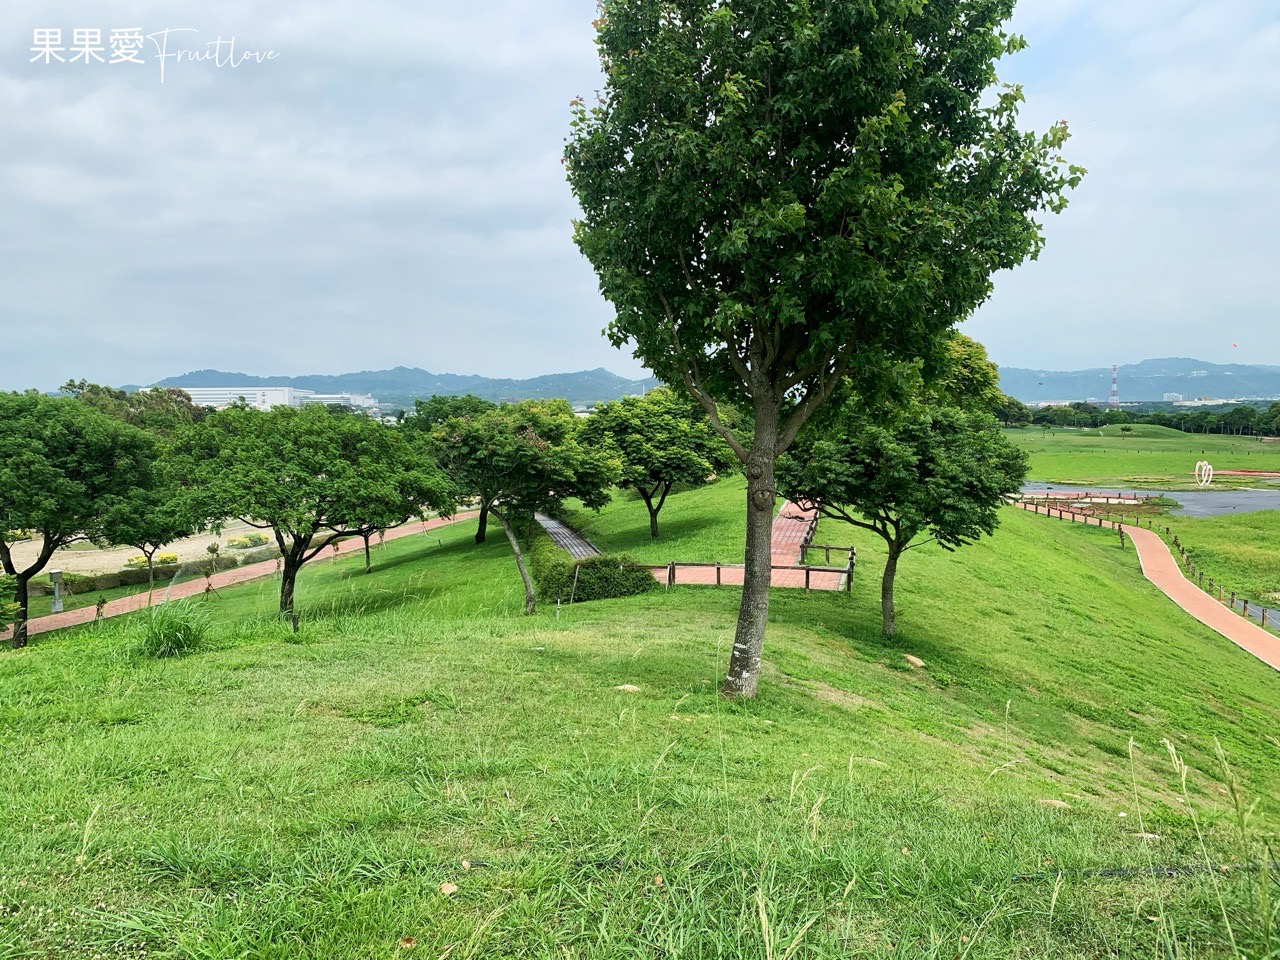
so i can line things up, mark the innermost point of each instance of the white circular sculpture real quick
(1204, 473)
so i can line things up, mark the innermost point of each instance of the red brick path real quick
(1160, 567)
(225, 578)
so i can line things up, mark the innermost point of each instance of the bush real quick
(166, 559)
(172, 630)
(602, 577)
(136, 562)
(248, 541)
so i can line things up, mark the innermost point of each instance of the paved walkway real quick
(567, 538)
(225, 578)
(1160, 567)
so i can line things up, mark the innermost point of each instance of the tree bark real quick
(888, 617)
(530, 600)
(483, 527)
(22, 597)
(748, 640)
(368, 560)
(288, 581)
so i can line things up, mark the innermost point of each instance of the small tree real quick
(160, 409)
(152, 516)
(937, 475)
(776, 193)
(431, 413)
(527, 458)
(63, 468)
(311, 477)
(661, 440)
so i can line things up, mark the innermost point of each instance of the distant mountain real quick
(401, 385)
(1148, 380)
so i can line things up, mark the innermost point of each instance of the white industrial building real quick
(264, 398)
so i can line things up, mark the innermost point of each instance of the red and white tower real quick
(1115, 386)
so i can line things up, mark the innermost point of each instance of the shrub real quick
(136, 562)
(248, 541)
(166, 559)
(172, 630)
(602, 577)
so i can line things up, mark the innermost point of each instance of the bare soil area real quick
(87, 559)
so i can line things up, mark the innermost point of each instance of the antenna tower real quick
(1115, 386)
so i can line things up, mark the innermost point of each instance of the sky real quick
(355, 186)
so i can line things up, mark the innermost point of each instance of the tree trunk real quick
(888, 617)
(653, 511)
(368, 561)
(529, 599)
(151, 574)
(22, 598)
(748, 640)
(288, 580)
(483, 526)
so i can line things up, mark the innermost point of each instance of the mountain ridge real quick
(1145, 381)
(401, 385)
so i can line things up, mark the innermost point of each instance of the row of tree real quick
(76, 468)
(1238, 420)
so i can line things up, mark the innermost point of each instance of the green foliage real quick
(775, 195)
(934, 470)
(64, 468)
(161, 410)
(171, 630)
(311, 475)
(430, 413)
(602, 577)
(248, 541)
(523, 457)
(661, 440)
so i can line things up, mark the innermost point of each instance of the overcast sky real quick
(388, 190)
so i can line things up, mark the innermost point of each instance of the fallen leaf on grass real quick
(448, 889)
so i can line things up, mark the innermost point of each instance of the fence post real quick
(828, 559)
(806, 579)
(1233, 600)
(671, 574)
(1246, 608)
(717, 573)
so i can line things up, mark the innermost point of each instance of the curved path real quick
(224, 578)
(1160, 567)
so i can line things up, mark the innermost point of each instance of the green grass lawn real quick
(307, 796)
(702, 525)
(1241, 551)
(42, 605)
(1148, 455)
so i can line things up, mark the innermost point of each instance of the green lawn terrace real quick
(1146, 455)
(315, 794)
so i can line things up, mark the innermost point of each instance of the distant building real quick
(359, 401)
(1172, 397)
(264, 398)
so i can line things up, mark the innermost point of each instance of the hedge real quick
(601, 577)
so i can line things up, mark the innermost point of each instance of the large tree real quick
(310, 476)
(930, 474)
(774, 194)
(526, 458)
(64, 467)
(661, 440)
(158, 409)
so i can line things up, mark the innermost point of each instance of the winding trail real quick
(224, 578)
(1160, 567)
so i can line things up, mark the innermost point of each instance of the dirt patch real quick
(112, 559)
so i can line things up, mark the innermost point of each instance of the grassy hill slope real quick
(307, 796)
